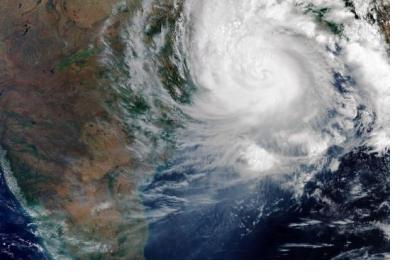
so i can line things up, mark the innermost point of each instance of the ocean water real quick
(266, 124)
(17, 232)
(342, 214)
(283, 149)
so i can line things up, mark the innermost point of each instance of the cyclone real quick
(268, 82)
(195, 129)
(276, 86)
(279, 92)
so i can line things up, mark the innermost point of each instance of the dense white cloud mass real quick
(280, 82)
(285, 118)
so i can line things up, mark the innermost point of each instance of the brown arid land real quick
(66, 146)
(62, 127)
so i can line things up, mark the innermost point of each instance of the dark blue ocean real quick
(340, 215)
(17, 239)
(337, 224)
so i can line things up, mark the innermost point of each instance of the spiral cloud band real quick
(195, 129)
(279, 92)
(267, 76)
